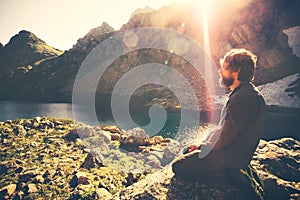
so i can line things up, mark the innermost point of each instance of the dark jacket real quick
(242, 126)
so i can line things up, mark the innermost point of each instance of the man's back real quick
(244, 118)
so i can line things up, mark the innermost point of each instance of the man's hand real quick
(193, 147)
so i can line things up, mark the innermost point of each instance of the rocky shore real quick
(48, 158)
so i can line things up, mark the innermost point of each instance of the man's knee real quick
(177, 165)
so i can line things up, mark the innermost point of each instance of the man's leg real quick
(191, 167)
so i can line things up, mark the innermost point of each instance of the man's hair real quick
(243, 60)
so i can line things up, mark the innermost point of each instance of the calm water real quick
(14, 110)
(277, 124)
(11, 110)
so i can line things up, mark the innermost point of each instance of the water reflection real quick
(14, 110)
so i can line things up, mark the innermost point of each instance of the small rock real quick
(8, 190)
(105, 135)
(71, 136)
(132, 178)
(79, 178)
(20, 169)
(31, 188)
(20, 162)
(112, 129)
(158, 139)
(102, 193)
(83, 192)
(58, 123)
(20, 194)
(37, 119)
(79, 142)
(59, 172)
(27, 176)
(19, 130)
(153, 161)
(136, 136)
(8, 122)
(86, 131)
(92, 161)
(115, 136)
(36, 122)
(46, 174)
(39, 179)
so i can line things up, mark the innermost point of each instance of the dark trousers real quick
(190, 167)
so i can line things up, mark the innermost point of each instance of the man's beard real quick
(226, 82)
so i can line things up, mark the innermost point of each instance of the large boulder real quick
(277, 163)
(272, 174)
(164, 185)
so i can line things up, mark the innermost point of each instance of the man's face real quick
(226, 76)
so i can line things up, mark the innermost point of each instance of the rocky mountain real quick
(146, 9)
(24, 49)
(20, 57)
(46, 158)
(51, 79)
(257, 25)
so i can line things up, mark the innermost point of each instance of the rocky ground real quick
(47, 158)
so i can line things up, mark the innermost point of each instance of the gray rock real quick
(135, 136)
(105, 135)
(152, 161)
(86, 131)
(71, 136)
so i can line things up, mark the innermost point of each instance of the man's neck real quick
(235, 84)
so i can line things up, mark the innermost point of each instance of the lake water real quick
(11, 110)
(277, 125)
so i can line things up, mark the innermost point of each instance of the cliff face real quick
(56, 158)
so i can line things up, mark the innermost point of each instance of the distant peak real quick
(105, 24)
(25, 32)
(24, 37)
(104, 28)
(146, 9)
(27, 41)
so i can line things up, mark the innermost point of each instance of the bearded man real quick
(232, 146)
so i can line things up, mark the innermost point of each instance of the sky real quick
(60, 23)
